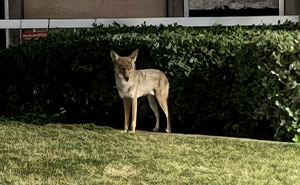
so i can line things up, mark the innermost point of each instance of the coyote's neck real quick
(126, 88)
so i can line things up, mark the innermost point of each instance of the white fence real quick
(183, 21)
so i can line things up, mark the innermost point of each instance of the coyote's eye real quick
(121, 68)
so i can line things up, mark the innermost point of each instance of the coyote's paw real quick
(155, 129)
(168, 130)
(124, 131)
(132, 132)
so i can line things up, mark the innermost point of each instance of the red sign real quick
(34, 35)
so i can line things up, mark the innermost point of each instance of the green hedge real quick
(239, 81)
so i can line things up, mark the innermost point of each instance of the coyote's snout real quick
(132, 84)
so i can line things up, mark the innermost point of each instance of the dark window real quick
(216, 8)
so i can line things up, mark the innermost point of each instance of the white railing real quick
(184, 21)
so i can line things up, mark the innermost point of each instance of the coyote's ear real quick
(134, 54)
(114, 56)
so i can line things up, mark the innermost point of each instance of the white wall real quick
(94, 8)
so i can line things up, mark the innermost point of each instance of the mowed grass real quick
(88, 154)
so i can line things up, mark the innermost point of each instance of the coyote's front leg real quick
(127, 105)
(134, 114)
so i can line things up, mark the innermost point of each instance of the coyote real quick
(132, 84)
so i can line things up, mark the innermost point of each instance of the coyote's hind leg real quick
(163, 102)
(153, 105)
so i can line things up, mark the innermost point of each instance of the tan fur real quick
(132, 84)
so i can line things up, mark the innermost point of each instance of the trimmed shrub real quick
(238, 81)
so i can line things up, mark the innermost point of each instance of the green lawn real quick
(88, 154)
